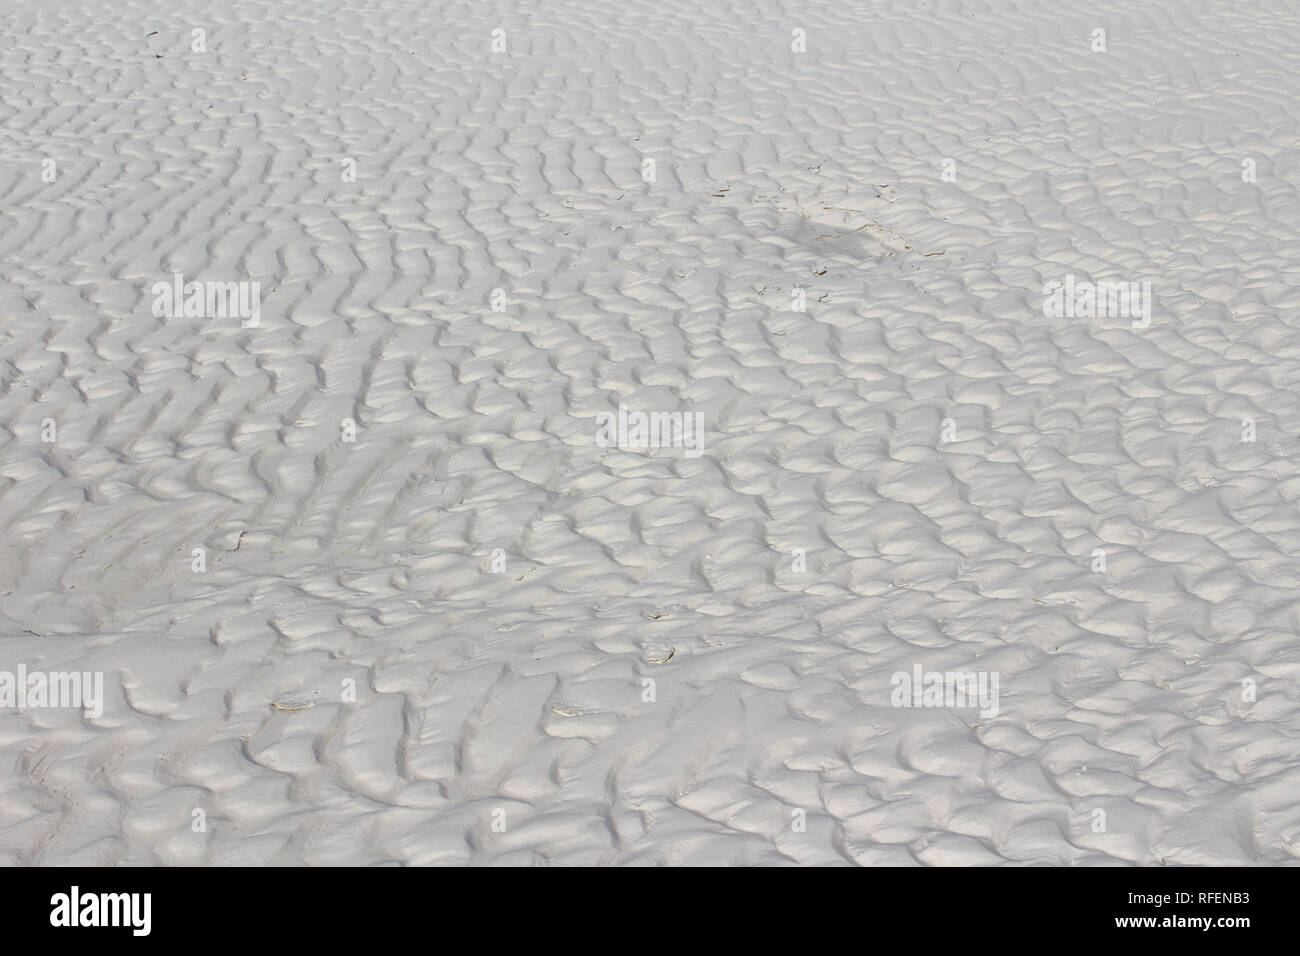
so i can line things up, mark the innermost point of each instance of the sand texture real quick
(364, 581)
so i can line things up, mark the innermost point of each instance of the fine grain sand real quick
(364, 580)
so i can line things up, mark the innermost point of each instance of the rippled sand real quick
(365, 587)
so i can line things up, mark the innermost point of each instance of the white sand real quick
(947, 455)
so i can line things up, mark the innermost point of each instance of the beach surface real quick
(377, 564)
